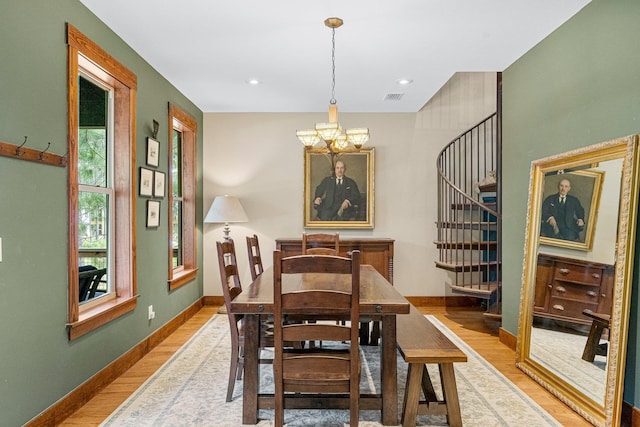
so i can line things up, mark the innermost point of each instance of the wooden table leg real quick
(450, 391)
(389, 372)
(251, 379)
(593, 341)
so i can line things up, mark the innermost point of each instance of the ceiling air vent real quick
(393, 96)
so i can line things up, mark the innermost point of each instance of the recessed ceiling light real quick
(404, 82)
(253, 82)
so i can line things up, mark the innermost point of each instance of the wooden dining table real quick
(377, 298)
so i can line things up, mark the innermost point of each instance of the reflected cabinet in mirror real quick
(576, 282)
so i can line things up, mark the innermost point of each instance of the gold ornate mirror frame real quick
(606, 411)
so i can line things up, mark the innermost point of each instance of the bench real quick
(420, 342)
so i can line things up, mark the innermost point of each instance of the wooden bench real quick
(421, 342)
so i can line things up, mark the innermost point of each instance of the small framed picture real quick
(146, 182)
(158, 184)
(153, 152)
(153, 213)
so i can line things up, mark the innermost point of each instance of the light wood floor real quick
(468, 324)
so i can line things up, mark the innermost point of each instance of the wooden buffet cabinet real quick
(565, 287)
(373, 251)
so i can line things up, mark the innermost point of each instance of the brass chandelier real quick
(331, 132)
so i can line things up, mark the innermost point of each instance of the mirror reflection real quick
(577, 274)
(573, 285)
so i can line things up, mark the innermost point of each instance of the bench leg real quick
(593, 341)
(448, 378)
(412, 394)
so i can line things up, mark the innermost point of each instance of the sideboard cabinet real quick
(375, 252)
(565, 287)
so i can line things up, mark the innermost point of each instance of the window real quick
(182, 197)
(101, 132)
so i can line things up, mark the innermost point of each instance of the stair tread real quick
(467, 206)
(466, 265)
(487, 188)
(482, 289)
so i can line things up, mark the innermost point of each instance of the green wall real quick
(39, 365)
(579, 86)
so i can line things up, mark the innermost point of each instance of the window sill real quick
(101, 315)
(182, 277)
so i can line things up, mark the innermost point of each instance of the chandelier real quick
(331, 132)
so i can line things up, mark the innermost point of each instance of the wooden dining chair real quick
(321, 244)
(334, 367)
(231, 288)
(255, 260)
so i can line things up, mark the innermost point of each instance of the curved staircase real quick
(469, 218)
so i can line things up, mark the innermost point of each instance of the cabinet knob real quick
(595, 275)
(561, 289)
(564, 271)
(603, 295)
(591, 293)
(558, 307)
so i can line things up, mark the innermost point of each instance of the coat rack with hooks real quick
(32, 154)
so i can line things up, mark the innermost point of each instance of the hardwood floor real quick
(468, 324)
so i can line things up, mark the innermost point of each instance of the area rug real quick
(561, 352)
(190, 390)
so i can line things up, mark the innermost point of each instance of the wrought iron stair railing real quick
(469, 218)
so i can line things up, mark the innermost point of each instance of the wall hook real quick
(43, 151)
(20, 146)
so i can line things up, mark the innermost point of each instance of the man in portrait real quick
(562, 214)
(337, 196)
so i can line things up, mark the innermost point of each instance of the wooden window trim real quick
(180, 120)
(124, 270)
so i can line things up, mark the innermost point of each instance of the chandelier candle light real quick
(331, 132)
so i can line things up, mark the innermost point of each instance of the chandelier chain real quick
(333, 101)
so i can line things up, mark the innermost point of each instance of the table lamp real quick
(226, 209)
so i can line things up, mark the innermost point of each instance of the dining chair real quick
(255, 260)
(321, 244)
(231, 288)
(89, 278)
(334, 367)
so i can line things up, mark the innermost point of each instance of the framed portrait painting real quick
(569, 209)
(338, 188)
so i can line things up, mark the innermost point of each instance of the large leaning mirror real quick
(576, 281)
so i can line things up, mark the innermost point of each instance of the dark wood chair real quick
(255, 260)
(231, 288)
(89, 279)
(334, 368)
(321, 244)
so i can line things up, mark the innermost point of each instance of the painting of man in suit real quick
(339, 189)
(563, 215)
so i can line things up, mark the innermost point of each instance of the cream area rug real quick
(190, 390)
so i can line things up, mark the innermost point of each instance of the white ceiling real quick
(208, 49)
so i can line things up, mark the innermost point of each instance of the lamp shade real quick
(225, 209)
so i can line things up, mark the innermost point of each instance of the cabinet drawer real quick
(570, 308)
(576, 291)
(578, 274)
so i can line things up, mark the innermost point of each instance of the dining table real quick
(378, 299)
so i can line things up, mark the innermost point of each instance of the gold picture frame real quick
(320, 209)
(582, 203)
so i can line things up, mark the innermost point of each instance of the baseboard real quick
(630, 416)
(445, 301)
(507, 338)
(213, 300)
(78, 397)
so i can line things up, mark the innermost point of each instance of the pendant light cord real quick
(333, 67)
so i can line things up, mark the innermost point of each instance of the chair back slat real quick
(321, 244)
(255, 259)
